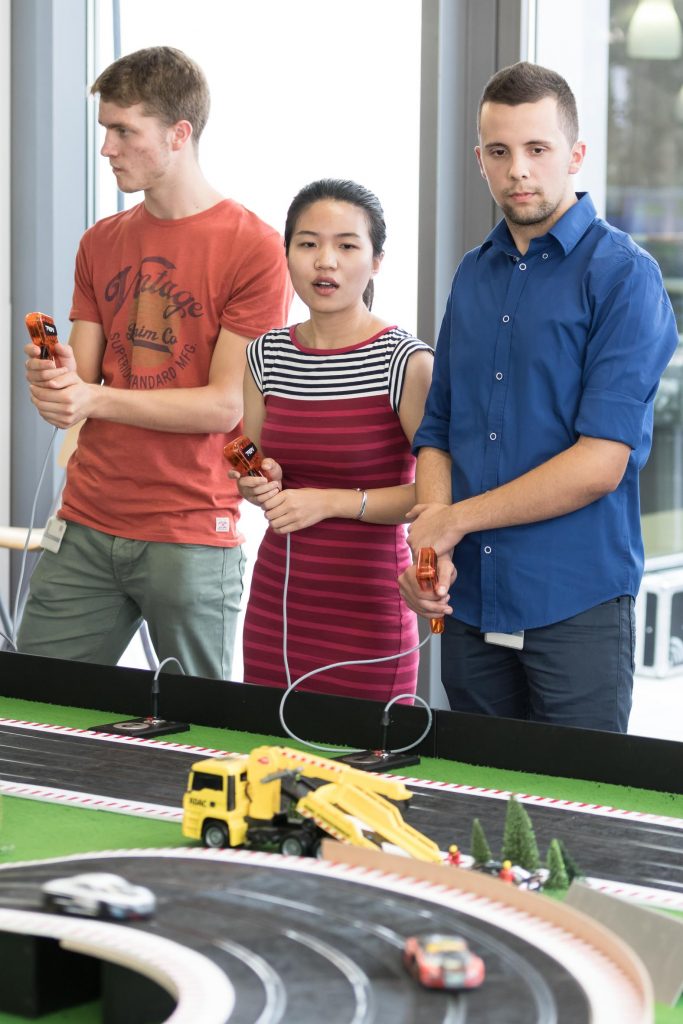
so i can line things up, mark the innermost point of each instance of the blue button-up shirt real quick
(534, 351)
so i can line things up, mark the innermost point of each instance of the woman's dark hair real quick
(528, 83)
(342, 191)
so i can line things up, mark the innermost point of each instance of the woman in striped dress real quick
(333, 404)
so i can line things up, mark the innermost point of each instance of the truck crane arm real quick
(346, 812)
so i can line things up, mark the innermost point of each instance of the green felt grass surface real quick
(89, 1013)
(33, 830)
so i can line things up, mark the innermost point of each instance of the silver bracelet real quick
(363, 503)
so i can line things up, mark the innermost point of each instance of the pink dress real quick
(331, 422)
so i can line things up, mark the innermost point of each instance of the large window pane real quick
(645, 198)
(300, 91)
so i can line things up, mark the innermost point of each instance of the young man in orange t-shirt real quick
(167, 295)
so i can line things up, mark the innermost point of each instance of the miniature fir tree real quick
(557, 879)
(570, 866)
(519, 841)
(479, 847)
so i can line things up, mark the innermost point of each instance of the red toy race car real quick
(442, 961)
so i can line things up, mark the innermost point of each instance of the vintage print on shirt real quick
(154, 354)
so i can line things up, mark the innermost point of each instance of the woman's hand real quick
(258, 490)
(295, 509)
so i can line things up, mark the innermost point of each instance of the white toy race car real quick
(98, 894)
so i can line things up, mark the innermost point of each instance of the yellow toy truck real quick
(280, 799)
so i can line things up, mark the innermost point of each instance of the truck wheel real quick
(317, 848)
(291, 846)
(215, 834)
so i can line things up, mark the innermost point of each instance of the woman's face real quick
(330, 256)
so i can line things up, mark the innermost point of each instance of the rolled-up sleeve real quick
(632, 339)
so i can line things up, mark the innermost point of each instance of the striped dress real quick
(331, 422)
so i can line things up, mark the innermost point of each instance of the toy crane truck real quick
(280, 799)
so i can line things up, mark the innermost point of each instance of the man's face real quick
(527, 161)
(138, 146)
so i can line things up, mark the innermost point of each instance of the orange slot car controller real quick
(43, 332)
(244, 456)
(427, 577)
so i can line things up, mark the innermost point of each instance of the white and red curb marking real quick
(109, 737)
(71, 798)
(445, 787)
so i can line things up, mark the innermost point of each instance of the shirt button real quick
(493, 437)
(522, 266)
(499, 376)
(487, 550)
(506, 318)
(544, 256)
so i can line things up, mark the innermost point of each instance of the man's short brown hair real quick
(165, 80)
(528, 83)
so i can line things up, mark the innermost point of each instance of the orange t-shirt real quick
(162, 289)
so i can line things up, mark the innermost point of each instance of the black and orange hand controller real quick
(427, 577)
(244, 456)
(43, 332)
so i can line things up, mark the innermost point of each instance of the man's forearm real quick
(433, 477)
(202, 410)
(569, 481)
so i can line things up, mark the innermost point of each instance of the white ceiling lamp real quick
(654, 31)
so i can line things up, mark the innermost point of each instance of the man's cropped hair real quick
(528, 83)
(166, 81)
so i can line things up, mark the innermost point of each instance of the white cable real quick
(340, 664)
(400, 696)
(156, 688)
(425, 705)
(285, 588)
(17, 593)
(165, 662)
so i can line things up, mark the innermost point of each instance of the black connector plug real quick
(380, 760)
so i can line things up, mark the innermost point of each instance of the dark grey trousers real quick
(576, 672)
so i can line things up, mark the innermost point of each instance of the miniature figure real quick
(506, 873)
(454, 856)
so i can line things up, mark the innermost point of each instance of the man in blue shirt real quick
(537, 424)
